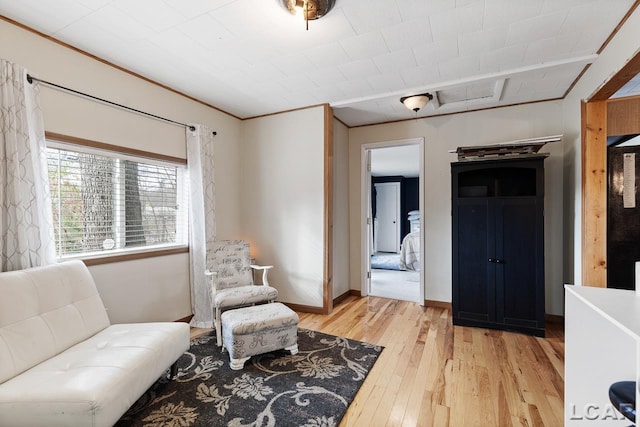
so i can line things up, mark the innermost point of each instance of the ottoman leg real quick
(237, 364)
(218, 325)
(293, 349)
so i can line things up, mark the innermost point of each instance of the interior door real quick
(623, 213)
(388, 216)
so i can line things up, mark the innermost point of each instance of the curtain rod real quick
(31, 79)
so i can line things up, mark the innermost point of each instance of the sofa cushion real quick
(94, 382)
(44, 311)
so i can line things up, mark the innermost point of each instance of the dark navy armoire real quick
(498, 243)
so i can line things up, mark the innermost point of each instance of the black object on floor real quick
(623, 396)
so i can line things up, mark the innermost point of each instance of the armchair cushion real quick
(244, 295)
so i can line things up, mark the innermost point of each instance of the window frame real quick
(121, 254)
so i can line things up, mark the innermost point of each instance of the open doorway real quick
(393, 220)
(623, 210)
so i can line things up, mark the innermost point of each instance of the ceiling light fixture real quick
(416, 102)
(309, 10)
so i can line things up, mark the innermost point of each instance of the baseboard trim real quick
(337, 300)
(295, 307)
(358, 294)
(344, 296)
(554, 319)
(437, 304)
(304, 308)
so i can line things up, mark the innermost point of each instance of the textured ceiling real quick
(251, 57)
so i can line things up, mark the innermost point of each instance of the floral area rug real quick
(312, 388)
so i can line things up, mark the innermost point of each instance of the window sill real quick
(121, 256)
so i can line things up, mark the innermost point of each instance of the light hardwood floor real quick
(434, 374)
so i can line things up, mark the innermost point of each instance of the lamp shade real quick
(309, 9)
(416, 102)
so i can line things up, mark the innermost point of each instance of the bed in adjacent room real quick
(410, 252)
(410, 249)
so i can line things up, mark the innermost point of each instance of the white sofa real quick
(61, 361)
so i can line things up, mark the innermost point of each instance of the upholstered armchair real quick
(231, 273)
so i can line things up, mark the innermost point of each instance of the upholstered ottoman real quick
(258, 329)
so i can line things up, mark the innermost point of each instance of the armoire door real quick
(388, 216)
(519, 261)
(473, 275)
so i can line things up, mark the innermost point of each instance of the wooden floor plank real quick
(432, 373)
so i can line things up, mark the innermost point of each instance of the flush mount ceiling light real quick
(309, 10)
(416, 102)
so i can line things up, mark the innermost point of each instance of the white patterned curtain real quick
(26, 236)
(202, 222)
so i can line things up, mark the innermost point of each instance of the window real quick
(108, 203)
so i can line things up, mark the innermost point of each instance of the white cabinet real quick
(602, 346)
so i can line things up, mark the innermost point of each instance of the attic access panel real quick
(472, 95)
(472, 92)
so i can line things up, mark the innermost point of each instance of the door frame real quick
(596, 124)
(365, 197)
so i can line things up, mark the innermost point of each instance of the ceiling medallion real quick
(309, 10)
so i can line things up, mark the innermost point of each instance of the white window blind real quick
(106, 202)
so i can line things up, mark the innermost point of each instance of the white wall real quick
(150, 289)
(340, 209)
(621, 48)
(282, 200)
(446, 133)
(281, 207)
